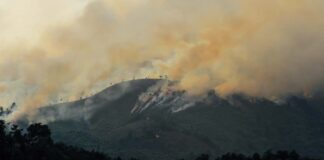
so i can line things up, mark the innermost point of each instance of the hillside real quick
(147, 119)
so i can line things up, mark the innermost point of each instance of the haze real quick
(52, 50)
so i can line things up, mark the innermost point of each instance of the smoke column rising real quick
(261, 48)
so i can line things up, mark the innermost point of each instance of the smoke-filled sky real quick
(64, 49)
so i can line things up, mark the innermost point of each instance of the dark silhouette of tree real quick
(256, 156)
(203, 157)
(3, 139)
(293, 155)
(268, 155)
(118, 158)
(282, 155)
(35, 143)
(39, 134)
(1, 111)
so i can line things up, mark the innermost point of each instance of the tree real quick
(1, 111)
(37, 132)
(282, 155)
(293, 155)
(36, 144)
(2, 138)
(17, 137)
(256, 156)
(203, 157)
(268, 155)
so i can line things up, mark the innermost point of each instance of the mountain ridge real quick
(213, 124)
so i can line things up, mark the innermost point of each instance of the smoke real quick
(164, 94)
(261, 48)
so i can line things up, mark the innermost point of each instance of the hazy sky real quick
(71, 48)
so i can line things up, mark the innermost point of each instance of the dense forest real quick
(35, 143)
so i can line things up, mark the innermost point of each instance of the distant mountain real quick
(150, 120)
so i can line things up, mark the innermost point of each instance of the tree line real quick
(35, 143)
(269, 155)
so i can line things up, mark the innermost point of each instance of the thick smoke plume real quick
(261, 48)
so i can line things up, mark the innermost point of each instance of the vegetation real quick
(35, 143)
(269, 155)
